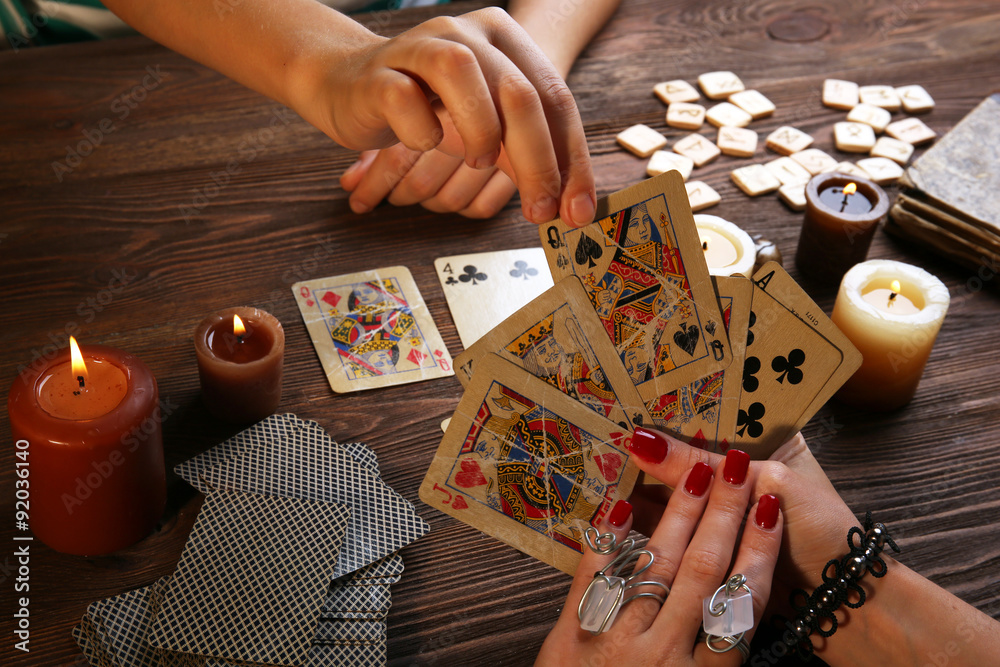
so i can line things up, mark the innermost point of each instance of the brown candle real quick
(842, 213)
(89, 447)
(241, 352)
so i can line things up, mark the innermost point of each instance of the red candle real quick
(89, 431)
(842, 214)
(241, 352)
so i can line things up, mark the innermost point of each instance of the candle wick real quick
(704, 245)
(892, 299)
(239, 339)
(843, 204)
(81, 380)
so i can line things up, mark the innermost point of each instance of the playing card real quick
(527, 464)
(558, 338)
(704, 412)
(644, 271)
(120, 624)
(341, 629)
(302, 466)
(336, 655)
(86, 638)
(251, 579)
(485, 288)
(787, 363)
(774, 280)
(372, 329)
(371, 598)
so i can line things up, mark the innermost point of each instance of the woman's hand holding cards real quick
(691, 546)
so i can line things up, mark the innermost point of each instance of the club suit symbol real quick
(472, 274)
(521, 269)
(789, 367)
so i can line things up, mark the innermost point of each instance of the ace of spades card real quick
(558, 338)
(525, 463)
(644, 271)
(372, 329)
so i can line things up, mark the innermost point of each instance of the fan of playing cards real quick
(633, 332)
(287, 511)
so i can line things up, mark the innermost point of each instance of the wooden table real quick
(929, 470)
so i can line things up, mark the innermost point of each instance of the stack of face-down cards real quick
(634, 332)
(288, 563)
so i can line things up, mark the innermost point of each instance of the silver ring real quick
(606, 594)
(737, 642)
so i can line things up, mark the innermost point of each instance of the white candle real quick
(728, 249)
(892, 312)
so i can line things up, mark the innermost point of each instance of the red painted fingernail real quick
(648, 445)
(620, 513)
(767, 512)
(698, 479)
(735, 470)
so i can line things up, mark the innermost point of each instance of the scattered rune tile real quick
(788, 171)
(641, 140)
(894, 149)
(911, 130)
(815, 161)
(840, 94)
(664, 161)
(755, 180)
(737, 141)
(719, 85)
(869, 114)
(850, 169)
(882, 170)
(701, 195)
(685, 116)
(674, 91)
(754, 103)
(794, 196)
(787, 140)
(725, 113)
(880, 96)
(915, 99)
(698, 148)
(853, 137)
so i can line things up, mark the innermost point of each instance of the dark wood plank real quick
(929, 470)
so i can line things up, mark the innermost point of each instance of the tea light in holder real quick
(892, 312)
(88, 444)
(842, 214)
(728, 249)
(241, 353)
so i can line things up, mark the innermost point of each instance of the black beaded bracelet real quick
(813, 610)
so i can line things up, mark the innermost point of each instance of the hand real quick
(437, 181)
(816, 518)
(468, 85)
(692, 545)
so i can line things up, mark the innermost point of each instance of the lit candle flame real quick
(76, 363)
(238, 327)
(893, 291)
(895, 286)
(850, 188)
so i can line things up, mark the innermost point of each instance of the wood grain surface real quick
(143, 204)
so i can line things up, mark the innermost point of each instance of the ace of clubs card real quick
(644, 271)
(372, 329)
(485, 288)
(559, 339)
(528, 465)
(787, 364)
